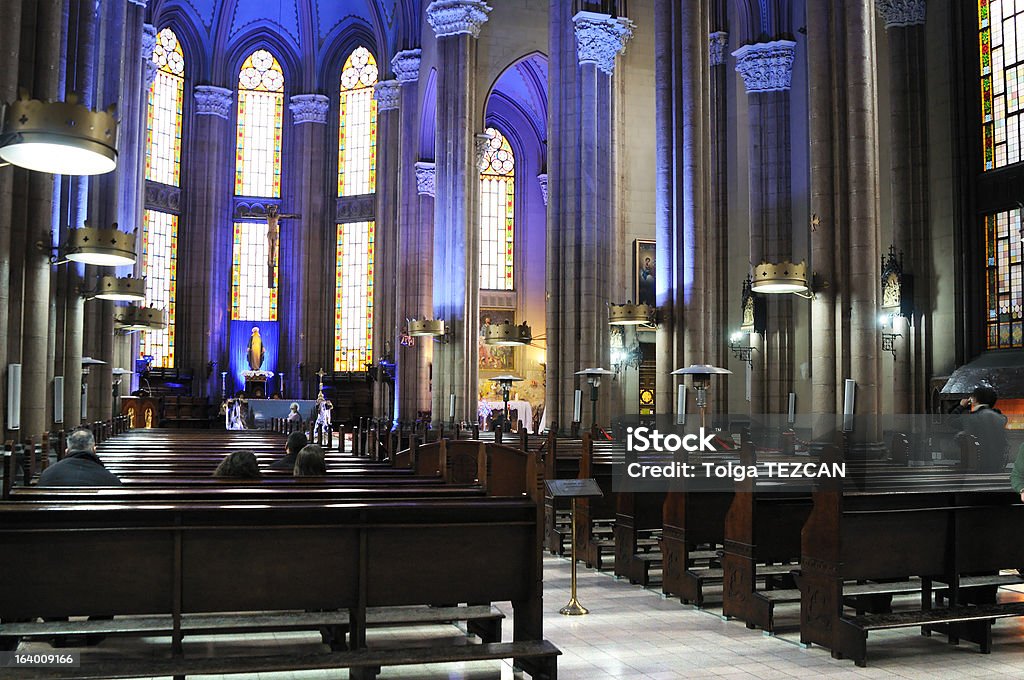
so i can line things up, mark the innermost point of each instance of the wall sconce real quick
(888, 339)
(424, 328)
(741, 352)
(125, 289)
(640, 314)
(507, 334)
(94, 245)
(135, 318)
(754, 310)
(781, 278)
(897, 285)
(63, 138)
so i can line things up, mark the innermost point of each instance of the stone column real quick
(386, 291)
(415, 247)
(456, 25)
(767, 69)
(10, 37)
(682, 168)
(204, 263)
(36, 302)
(904, 24)
(718, 311)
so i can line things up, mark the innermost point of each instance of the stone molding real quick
(767, 66)
(309, 108)
(717, 42)
(140, 3)
(425, 178)
(387, 93)
(146, 52)
(455, 17)
(901, 13)
(355, 208)
(243, 207)
(406, 65)
(213, 101)
(162, 197)
(542, 179)
(481, 145)
(600, 38)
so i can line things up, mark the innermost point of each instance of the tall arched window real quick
(357, 135)
(159, 262)
(254, 260)
(1001, 26)
(497, 214)
(357, 175)
(1004, 280)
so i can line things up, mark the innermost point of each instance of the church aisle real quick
(635, 634)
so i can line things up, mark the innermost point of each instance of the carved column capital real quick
(542, 179)
(425, 178)
(308, 108)
(600, 38)
(406, 65)
(767, 66)
(900, 13)
(717, 42)
(454, 17)
(387, 92)
(147, 47)
(213, 101)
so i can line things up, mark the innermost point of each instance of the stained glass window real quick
(260, 112)
(253, 274)
(163, 118)
(1001, 26)
(160, 267)
(1003, 280)
(353, 297)
(497, 214)
(357, 132)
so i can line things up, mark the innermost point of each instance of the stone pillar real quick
(456, 25)
(682, 167)
(204, 263)
(415, 247)
(10, 37)
(904, 24)
(766, 69)
(718, 310)
(386, 291)
(844, 208)
(36, 302)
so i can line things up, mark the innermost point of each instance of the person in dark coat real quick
(80, 466)
(985, 422)
(296, 441)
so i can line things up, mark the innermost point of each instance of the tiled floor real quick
(635, 633)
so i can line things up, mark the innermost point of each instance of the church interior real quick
(463, 250)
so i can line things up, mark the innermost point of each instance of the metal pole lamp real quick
(505, 381)
(701, 376)
(594, 380)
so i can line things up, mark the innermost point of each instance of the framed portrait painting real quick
(643, 271)
(495, 357)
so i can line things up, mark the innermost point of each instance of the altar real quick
(520, 410)
(261, 411)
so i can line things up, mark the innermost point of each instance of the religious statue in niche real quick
(255, 352)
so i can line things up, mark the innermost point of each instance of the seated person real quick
(239, 465)
(310, 462)
(296, 441)
(80, 465)
(1017, 476)
(986, 423)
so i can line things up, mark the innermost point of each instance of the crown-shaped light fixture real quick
(125, 289)
(784, 277)
(629, 314)
(419, 328)
(64, 138)
(103, 247)
(507, 333)
(136, 318)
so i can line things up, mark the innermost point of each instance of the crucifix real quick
(321, 374)
(273, 217)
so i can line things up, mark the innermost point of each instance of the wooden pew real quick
(638, 524)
